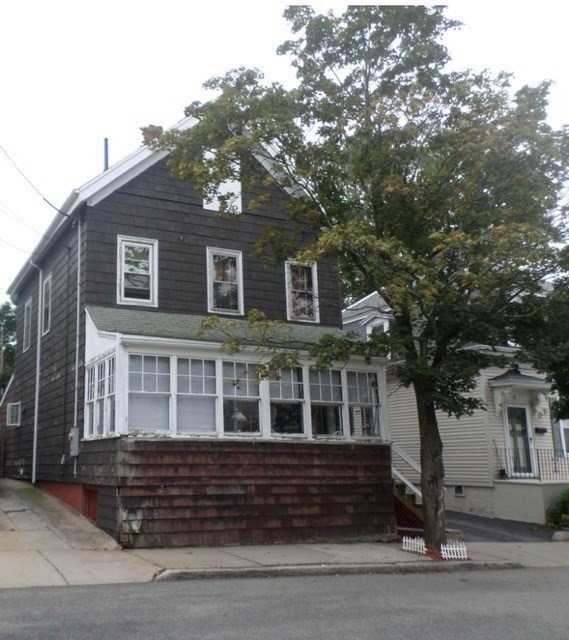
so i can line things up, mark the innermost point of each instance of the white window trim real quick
(211, 251)
(10, 407)
(143, 346)
(562, 425)
(378, 322)
(529, 428)
(27, 337)
(122, 241)
(288, 285)
(46, 305)
(97, 400)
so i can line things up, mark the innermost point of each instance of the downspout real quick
(38, 373)
(77, 341)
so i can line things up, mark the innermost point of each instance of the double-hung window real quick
(196, 396)
(100, 398)
(363, 400)
(90, 403)
(137, 271)
(27, 325)
(326, 402)
(287, 406)
(240, 399)
(225, 281)
(149, 393)
(99, 426)
(301, 291)
(46, 306)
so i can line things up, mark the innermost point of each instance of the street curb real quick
(174, 575)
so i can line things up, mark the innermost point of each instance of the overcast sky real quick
(75, 72)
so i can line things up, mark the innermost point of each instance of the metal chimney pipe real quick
(106, 154)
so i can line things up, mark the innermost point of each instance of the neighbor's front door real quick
(520, 441)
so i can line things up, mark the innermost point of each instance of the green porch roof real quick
(189, 327)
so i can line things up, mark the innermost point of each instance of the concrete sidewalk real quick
(42, 543)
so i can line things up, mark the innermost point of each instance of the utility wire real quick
(32, 253)
(4, 208)
(31, 184)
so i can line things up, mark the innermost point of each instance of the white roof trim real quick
(99, 188)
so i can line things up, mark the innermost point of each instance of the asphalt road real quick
(509, 605)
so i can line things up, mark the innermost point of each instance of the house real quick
(125, 408)
(510, 461)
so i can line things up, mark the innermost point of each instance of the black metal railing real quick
(538, 464)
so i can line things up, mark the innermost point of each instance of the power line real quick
(17, 248)
(31, 184)
(4, 208)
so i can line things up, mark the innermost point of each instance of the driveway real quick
(479, 529)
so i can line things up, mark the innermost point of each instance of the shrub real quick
(557, 510)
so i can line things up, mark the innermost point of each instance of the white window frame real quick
(243, 389)
(289, 299)
(46, 305)
(27, 337)
(374, 404)
(156, 392)
(248, 392)
(298, 398)
(99, 398)
(562, 425)
(229, 253)
(180, 394)
(13, 414)
(152, 246)
(341, 404)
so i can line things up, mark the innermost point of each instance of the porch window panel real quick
(287, 417)
(196, 414)
(196, 396)
(241, 416)
(286, 395)
(326, 419)
(363, 399)
(148, 411)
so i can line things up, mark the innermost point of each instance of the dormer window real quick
(137, 282)
(301, 292)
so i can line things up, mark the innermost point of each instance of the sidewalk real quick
(42, 543)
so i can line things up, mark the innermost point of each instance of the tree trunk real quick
(432, 471)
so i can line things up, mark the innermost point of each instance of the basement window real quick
(13, 414)
(459, 491)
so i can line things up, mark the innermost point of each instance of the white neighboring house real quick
(509, 461)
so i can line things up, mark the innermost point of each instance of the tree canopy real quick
(440, 190)
(7, 342)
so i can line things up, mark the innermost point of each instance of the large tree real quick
(439, 190)
(7, 342)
